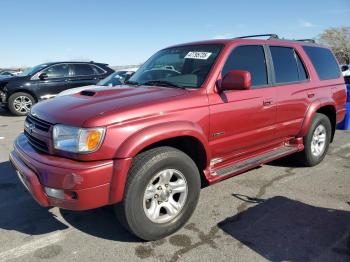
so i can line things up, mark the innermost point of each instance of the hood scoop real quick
(87, 93)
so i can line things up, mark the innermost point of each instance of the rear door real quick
(294, 95)
(83, 75)
(241, 120)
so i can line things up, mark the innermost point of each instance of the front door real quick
(243, 119)
(54, 82)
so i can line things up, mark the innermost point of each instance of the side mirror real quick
(236, 80)
(43, 76)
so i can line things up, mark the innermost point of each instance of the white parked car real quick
(115, 79)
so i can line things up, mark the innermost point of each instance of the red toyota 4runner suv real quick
(192, 114)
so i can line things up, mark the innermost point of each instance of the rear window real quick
(323, 61)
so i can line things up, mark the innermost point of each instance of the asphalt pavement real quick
(278, 212)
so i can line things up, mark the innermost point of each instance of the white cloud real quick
(304, 23)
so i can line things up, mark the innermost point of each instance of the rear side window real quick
(83, 70)
(287, 65)
(323, 61)
(250, 58)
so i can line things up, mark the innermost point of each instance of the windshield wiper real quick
(130, 82)
(161, 83)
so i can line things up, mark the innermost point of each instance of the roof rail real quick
(307, 40)
(271, 36)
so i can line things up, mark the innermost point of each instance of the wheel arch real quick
(22, 90)
(326, 108)
(185, 136)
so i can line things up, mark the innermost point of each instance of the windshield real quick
(117, 78)
(32, 70)
(184, 66)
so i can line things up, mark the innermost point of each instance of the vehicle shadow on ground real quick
(282, 229)
(19, 212)
(287, 161)
(100, 222)
(5, 112)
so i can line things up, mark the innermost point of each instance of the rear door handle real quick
(267, 102)
(310, 95)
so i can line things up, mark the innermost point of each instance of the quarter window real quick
(98, 70)
(323, 61)
(57, 71)
(250, 58)
(287, 65)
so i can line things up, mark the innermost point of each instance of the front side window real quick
(323, 61)
(83, 70)
(183, 66)
(287, 65)
(32, 70)
(249, 58)
(57, 71)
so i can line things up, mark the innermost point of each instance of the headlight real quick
(77, 140)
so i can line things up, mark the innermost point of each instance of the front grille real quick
(36, 130)
(36, 143)
(38, 123)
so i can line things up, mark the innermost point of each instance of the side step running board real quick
(255, 161)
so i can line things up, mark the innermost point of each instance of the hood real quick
(104, 106)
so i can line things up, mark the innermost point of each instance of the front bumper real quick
(86, 185)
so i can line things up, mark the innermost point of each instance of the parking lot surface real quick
(278, 212)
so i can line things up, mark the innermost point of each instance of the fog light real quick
(56, 193)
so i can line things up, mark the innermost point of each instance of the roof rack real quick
(271, 36)
(307, 40)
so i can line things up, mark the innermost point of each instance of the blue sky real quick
(128, 32)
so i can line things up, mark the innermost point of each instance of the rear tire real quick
(316, 141)
(173, 185)
(20, 103)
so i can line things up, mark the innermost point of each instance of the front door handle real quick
(267, 102)
(310, 95)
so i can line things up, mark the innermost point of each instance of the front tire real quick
(316, 142)
(20, 103)
(161, 193)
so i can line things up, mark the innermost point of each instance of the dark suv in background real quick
(44, 81)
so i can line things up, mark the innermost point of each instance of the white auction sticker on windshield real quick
(198, 55)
